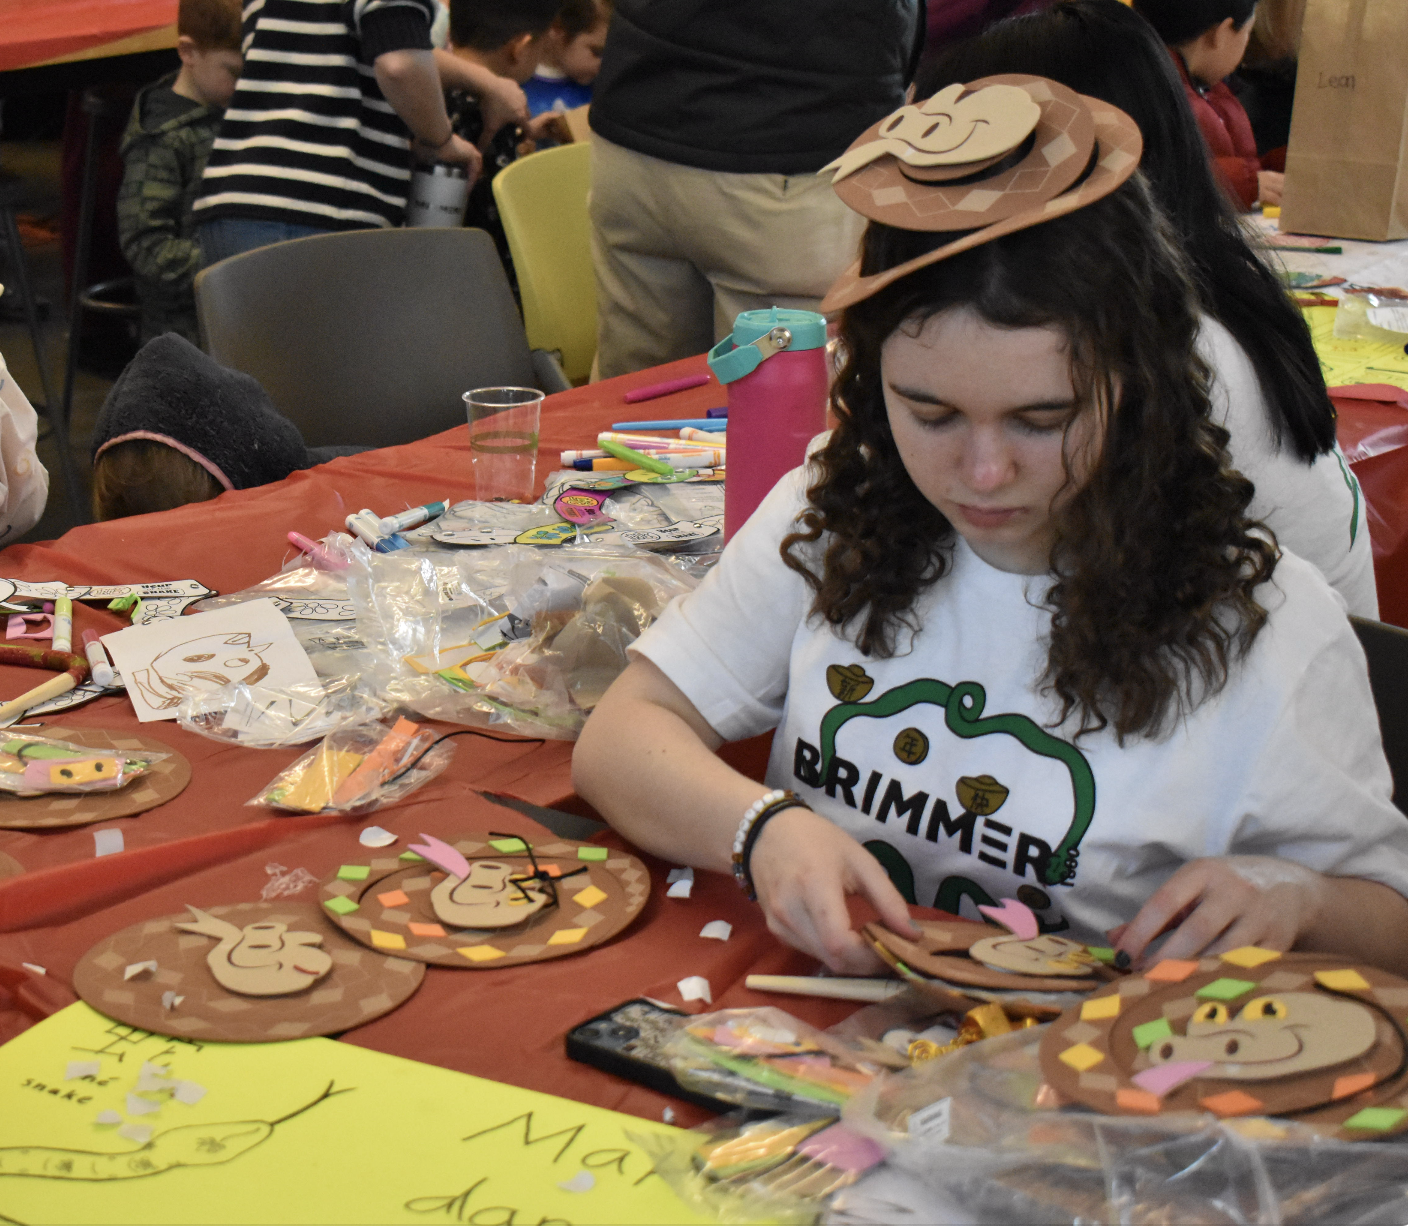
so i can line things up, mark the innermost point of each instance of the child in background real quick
(164, 149)
(1208, 39)
(571, 57)
(24, 482)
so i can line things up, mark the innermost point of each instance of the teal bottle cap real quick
(761, 333)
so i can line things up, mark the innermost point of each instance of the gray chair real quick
(369, 337)
(1386, 648)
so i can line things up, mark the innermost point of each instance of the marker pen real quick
(63, 625)
(714, 439)
(367, 526)
(322, 557)
(645, 444)
(98, 660)
(413, 517)
(654, 465)
(569, 455)
(604, 463)
(710, 424)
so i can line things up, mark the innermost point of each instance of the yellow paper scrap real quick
(309, 1132)
(387, 939)
(1100, 1009)
(1341, 979)
(1081, 1057)
(1250, 956)
(589, 896)
(481, 952)
(573, 935)
(314, 790)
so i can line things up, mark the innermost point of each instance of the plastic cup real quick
(503, 441)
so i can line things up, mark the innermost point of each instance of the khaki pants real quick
(679, 252)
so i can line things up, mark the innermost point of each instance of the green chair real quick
(542, 201)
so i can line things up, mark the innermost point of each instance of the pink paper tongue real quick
(1168, 1076)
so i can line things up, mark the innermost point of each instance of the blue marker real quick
(367, 526)
(412, 517)
(672, 425)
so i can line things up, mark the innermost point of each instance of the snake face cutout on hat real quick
(260, 958)
(483, 894)
(975, 162)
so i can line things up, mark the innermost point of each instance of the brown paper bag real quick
(1347, 163)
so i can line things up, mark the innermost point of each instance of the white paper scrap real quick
(376, 837)
(716, 930)
(34, 969)
(680, 873)
(188, 1092)
(668, 1114)
(169, 1000)
(152, 1081)
(680, 888)
(141, 1106)
(695, 987)
(108, 1117)
(107, 841)
(582, 1181)
(138, 967)
(246, 643)
(82, 1067)
(140, 1132)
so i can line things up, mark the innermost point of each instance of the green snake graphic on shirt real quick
(962, 705)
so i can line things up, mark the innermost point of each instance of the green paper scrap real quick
(1107, 955)
(1224, 988)
(342, 905)
(411, 856)
(349, 872)
(1147, 1034)
(592, 854)
(510, 845)
(1375, 1119)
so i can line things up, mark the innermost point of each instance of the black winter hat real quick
(221, 419)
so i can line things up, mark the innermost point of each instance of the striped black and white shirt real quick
(308, 137)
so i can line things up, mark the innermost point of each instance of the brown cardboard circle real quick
(1327, 1097)
(160, 784)
(943, 954)
(622, 877)
(361, 987)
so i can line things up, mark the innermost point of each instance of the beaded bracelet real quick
(749, 828)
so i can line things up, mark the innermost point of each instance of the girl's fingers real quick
(875, 885)
(1214, 915)
(1178, 892)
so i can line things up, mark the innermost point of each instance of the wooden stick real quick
(862, 990)
(47, 690)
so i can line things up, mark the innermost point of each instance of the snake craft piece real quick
(201, 1144)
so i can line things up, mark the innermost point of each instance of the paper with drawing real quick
(113, 1125)
(248, 643)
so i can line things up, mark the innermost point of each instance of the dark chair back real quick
(368, 337)
(1386, 648)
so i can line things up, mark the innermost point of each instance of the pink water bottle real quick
(774, 364)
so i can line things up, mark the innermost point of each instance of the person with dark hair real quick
(1207, 39)
(571, 57)
(711, 119)
(1016, 632)
(1268, 390)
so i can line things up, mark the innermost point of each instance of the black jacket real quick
(773, 86)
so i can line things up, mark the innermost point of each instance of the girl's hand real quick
(1217, 904)
(803, 868)
(1270, 186)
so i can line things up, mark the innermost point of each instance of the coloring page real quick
(248, 643)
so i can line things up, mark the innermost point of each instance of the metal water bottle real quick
(437, 196)
(774, 364)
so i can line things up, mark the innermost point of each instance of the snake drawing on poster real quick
(251, 642)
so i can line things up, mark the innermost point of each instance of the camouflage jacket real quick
(163, 154)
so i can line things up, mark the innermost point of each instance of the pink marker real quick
(665, 387)
(328, 561)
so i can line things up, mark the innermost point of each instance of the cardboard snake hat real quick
(995, 156)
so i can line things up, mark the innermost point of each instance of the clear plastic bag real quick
(751, 1167)
(359, 768)
(252, 716)
(975, 1129)
(30, 766)
(766, 1059)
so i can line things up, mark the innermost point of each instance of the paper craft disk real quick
(1249, 1034)
(361, 987)
(406, 924)
(159, 784)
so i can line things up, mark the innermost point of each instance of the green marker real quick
(621, 452)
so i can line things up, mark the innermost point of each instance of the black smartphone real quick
(629, 1040)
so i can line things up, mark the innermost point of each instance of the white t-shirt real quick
(1315, 509)
(24, 482)
(943, 753)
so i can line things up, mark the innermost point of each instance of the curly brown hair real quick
(1155, 562)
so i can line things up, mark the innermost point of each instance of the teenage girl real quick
(1268, 390)
(1017, 634)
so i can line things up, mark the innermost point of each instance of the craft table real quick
(207, 846)
(35, 35)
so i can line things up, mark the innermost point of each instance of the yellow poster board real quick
(311, 1131)
(1345, 362)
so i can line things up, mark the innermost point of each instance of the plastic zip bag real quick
(359, 768)
(251, 716)
(54, 766)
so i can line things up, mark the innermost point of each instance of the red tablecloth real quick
(33, 31)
